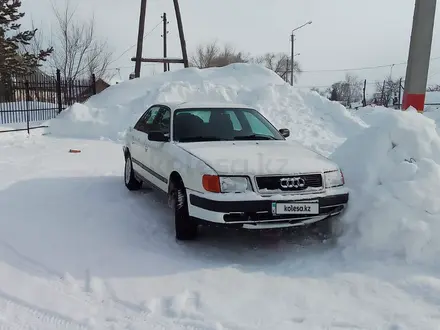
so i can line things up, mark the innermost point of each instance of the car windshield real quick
(222, 124)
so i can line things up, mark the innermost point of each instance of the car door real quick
(158, 152)
(139, 147)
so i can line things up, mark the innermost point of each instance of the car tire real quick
(186, 229)
(130, 180)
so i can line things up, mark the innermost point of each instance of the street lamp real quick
(292, 53)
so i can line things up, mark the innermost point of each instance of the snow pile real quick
(373, 116)
(312, 119)
(393, 169)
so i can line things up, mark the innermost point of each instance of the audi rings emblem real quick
(296, 183)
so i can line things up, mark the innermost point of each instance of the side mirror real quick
(157, 136)
(284, 132)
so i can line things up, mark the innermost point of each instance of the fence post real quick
(71, 94)
(58, 91)
(28, 97)
(94, 84)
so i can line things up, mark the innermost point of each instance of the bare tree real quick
(387, 90)
(347, 91)
(354, 88)
(212, 55)
(280, 64)
(433, 88)
(78, 50)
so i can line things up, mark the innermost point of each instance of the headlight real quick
(235, 184)
(334, 179)
(226, 184)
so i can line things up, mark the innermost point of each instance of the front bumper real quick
(257, 214)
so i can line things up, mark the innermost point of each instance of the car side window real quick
(164, 120)
(146, 122)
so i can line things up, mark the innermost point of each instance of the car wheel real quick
(185, 227)
(130, 181)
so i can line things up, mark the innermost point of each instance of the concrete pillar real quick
(419, 55)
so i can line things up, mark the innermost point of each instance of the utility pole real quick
(139, 59)
(292, 55)
(181, 35)
(419, 55)
(164, 35)
(142, 15)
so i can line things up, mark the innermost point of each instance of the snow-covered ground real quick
(78, 250)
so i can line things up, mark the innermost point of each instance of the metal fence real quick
(36, 98)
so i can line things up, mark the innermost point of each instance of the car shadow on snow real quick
(94, 226)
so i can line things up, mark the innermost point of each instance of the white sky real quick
(345, 34)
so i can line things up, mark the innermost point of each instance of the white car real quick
(227, 164)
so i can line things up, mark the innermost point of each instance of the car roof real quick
(199, 105)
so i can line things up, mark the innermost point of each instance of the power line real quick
(131, 66)
(364, 68)
(324, 86)
(128, 49)
(304, 71)
(354, 69)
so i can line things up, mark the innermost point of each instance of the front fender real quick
(190, 168)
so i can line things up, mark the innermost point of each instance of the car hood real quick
(258, 157)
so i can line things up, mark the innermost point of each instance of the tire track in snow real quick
(152, 222)
(181, 310)
(59, 283)
(31, 263)
(115, 313)
(27, 316)
(186, 310)
(131, 308)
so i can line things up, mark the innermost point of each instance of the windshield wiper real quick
(199, 139)
(254, 137)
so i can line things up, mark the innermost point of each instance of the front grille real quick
(273, 182)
